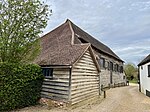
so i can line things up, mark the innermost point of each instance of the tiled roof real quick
(56, 47)
(65, 55)
(61, 46)
(145, 60)
(79, 33)
(58, 37)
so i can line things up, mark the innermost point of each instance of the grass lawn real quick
(133, 81)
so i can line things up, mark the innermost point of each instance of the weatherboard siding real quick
(57, 88)
(84, 80)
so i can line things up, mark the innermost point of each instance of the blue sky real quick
(123, 25)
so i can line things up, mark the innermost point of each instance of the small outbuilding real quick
(144, 75)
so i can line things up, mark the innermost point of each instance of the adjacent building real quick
(144, 75)
(76, 65)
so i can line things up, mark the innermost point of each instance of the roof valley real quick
(90, 39)
(72, 31)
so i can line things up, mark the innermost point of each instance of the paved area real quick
(121, 99)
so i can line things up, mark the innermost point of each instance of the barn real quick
(76, 65)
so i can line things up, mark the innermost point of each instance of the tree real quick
(131, 71)
(21, 22)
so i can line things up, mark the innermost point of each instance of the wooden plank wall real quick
(57, 88)
(85, 79)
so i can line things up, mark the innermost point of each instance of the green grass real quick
(133, 81)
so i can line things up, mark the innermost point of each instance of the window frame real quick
(111, 66)
(117, 67)
(102, 62)
(47, 72)
(121, 69)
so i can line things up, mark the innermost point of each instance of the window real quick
(102, 62)
(121, 69)
(111, 66)
(47, 72)
(106, 64)
(117, 67)
(147, 93)
(148, 70)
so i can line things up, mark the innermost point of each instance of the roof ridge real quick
(68, 20)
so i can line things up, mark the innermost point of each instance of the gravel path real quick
(122, 99)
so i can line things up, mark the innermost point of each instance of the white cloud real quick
(135, 51)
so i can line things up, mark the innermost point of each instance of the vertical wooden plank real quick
(70, 74)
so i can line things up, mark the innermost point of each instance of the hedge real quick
(20, 85)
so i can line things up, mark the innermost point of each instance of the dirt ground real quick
(121, 99)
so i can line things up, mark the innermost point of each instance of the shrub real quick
(20, 85)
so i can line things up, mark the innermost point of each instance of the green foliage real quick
(21, 22)
(20, 85)
(131, 71)
(133, 81)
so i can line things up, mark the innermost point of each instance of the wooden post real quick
(104, 94)
(102, 87)
(109, 85)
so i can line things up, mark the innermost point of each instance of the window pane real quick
(148, 70)
(47, 72)
(117, 68)
(111, 66)
(102, 62)
(121, 69)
